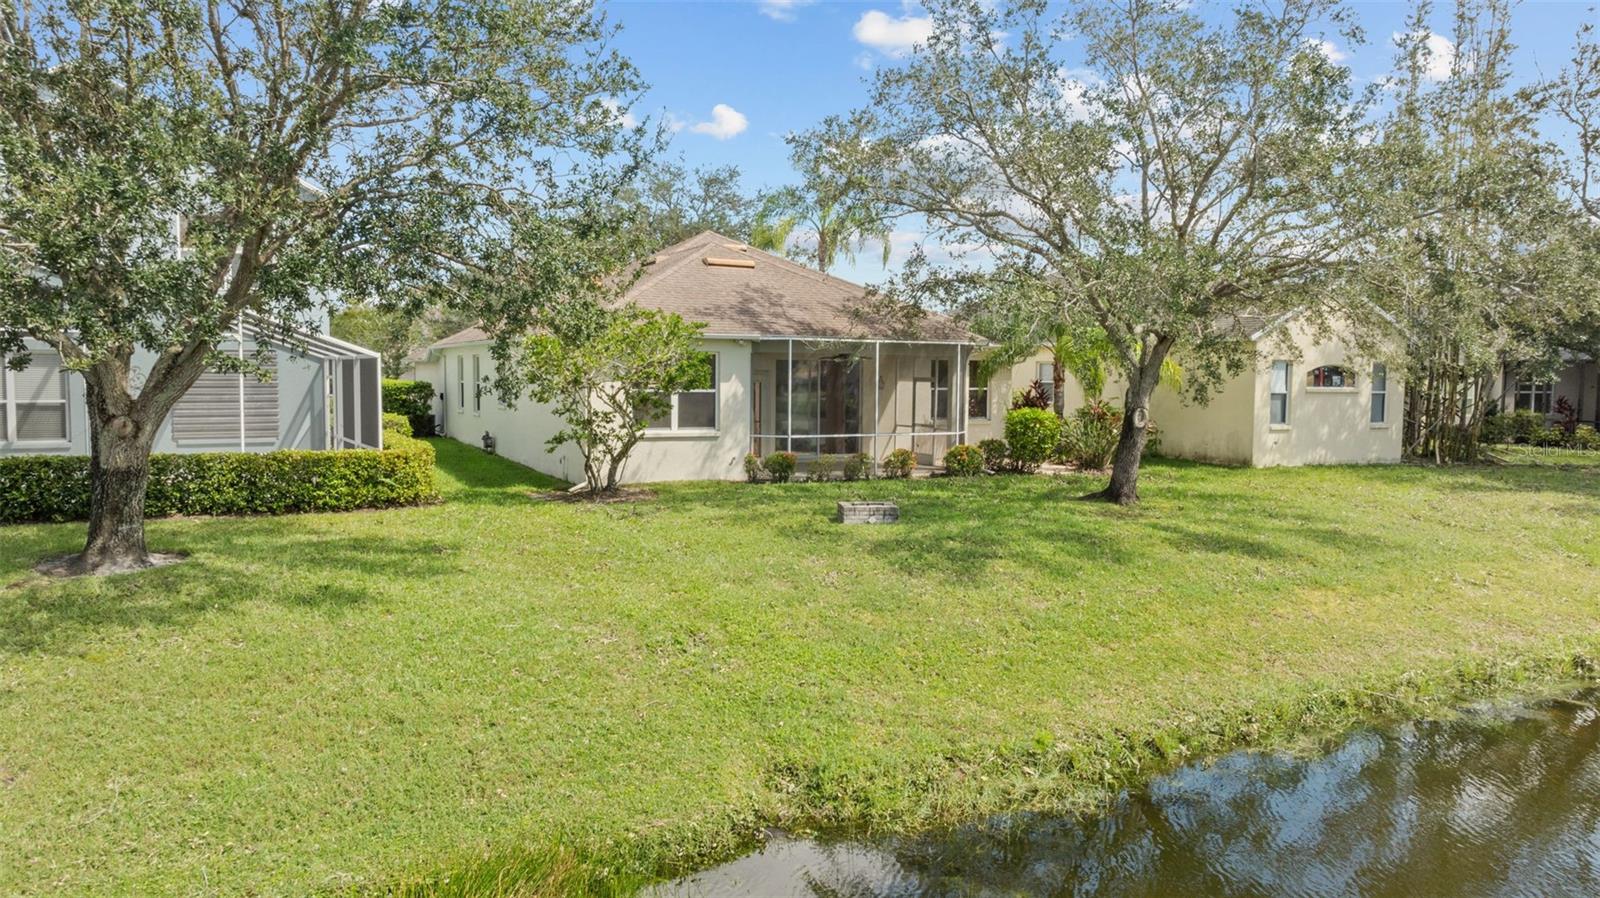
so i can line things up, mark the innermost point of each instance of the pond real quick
(1500, 801)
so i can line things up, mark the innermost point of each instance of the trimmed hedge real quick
(411, 398)
(56, 487)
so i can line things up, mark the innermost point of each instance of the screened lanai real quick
(818, 397)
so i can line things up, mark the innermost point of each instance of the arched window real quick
(1331, 376)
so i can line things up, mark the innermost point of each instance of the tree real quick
(679, 202)
(607, 373)
(1478, 253)
(396, 333)
(830, 204)
(1177, 177)
(168, 166)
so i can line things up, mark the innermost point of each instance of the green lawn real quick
(1541, 455)
(323, 702)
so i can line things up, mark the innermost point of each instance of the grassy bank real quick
(563, 693)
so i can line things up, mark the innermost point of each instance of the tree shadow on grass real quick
(237, 563)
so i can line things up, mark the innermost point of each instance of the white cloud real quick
(726, 122)
(781, 10)
(1439, 58)
(674, 124)
(1328, 49)
(865, 61)
(623, 117)
(892, 35)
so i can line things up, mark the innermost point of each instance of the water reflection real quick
(1499, 803)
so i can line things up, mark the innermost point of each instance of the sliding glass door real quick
(826, 400)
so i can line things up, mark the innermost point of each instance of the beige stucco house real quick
(1577, 382)
(799, 364)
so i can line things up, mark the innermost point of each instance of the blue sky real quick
(737, 76)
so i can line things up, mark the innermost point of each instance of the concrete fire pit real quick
(869, 513)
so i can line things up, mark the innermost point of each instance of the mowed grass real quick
(510, 696)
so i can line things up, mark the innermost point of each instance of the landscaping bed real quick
(586, 696)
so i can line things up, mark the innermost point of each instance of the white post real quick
(788, 402)
(960, 399)
(240, 334)
(877, 395)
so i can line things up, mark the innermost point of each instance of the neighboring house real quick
(796, 365)
(322, 393)
(1578, 382)
(1307, 401)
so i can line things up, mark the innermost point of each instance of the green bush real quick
(1031, 434)
(407, 398)
(393, 424)
(995, 453)
(1584, 436)
(858, 467)
(1518, 427)
(1089, 437)
(821, 467)
(780, 466)
(413, 401)
(752, 467)
(1496, 428)
(899, 464)
(963, 461)
(56, 487)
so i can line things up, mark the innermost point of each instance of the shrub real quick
(899, 464)
(1568, 415)
(1524, 426)
(412, 400)
(1031, 434)
(1496, 428)
(821, 467)
(56, 487)
(858, 467)
(393, 424)
(1037, 395)
(995, 454)
(1584, 436)
(780, 466)
(1089, 437)
(752, 467)
(963, 461)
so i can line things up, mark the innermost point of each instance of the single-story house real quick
(799, 365)
(795, 365)
(1577, 381)
(322, 393)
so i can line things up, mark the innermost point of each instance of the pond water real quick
(1496, 802)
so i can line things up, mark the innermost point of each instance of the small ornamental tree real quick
(169, 166)
(607, 374)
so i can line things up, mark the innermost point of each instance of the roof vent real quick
(716, 262)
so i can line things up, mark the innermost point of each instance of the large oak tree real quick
(169, 165)
(1161, 174)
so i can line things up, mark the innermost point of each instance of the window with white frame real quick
(477, 385)
(1278, 401)
(33, 401)
(694, 408)
(1047, 380)
(461, 382)
(1380, 394)
(1535, 396)
(977, 393)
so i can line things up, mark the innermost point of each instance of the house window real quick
(694, 408)
(477, 386)
(941, 389)
(461, 382)
(1380, 394)
(1279, 402)
(977, 393)
(1330, 377)
(1535, 396)
(1047, 380)
(33, 401)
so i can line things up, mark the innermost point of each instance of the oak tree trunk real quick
(1124, 486)
(119, 472)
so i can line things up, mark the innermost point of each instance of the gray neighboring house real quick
(323, 393)
(1578, 382)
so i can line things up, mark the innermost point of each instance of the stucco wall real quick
(521, 430)
(1326, 426)
(1219, 431)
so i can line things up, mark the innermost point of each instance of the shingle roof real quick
(739, 291)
